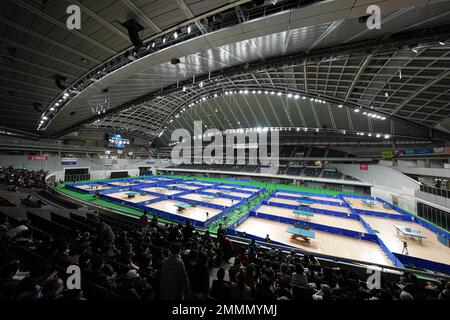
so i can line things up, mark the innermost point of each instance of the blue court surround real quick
(156, 182)
(398, 260)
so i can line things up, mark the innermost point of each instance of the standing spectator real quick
(252, 248)
(198, 275)
(226, 247)
(7, 282)
(220, 288)
(174, 280)
(143, 221)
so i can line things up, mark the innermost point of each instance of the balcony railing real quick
(435, 191)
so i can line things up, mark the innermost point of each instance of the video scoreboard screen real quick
(116, 140)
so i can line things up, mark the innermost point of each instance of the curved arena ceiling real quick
(297, 65)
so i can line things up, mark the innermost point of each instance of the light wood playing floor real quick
(219, 201)
(184, 186)
(248, 189)
(196, 213)
(234, 194)
(332, 221)
(200, 183)
(227, 187)
(311, 197)
(145, 181)
(96, 187)
(136, 199)
(429, 249)
(324, 243)
(162, 191)
(378, 207)
(123, 184)
(312, 205)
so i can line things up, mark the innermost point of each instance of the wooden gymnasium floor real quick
(136, 199)
(219, 201)
(86, 187)
(429, 249)
(324, 243)
(198, 183)
(122, 184)
(184, 186)
(357, 204)
(313, 205)
(196, 213)
(162, 190)
(235, 194)
(311, 197)
(324, 219)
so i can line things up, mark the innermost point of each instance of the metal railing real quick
(435, 191)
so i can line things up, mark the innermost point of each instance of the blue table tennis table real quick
(368, 203)
(131, 194)
(305, 200)
(410, 232)
(182, 206)
(208, 197)
(306, 235)
(304, 213)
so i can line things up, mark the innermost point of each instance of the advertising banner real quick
(69, 161)
(38, 158)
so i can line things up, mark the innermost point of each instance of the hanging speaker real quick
(37, 107)
(134, 28)
(60, 81)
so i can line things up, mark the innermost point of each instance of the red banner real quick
(364, 167)
(38, 158)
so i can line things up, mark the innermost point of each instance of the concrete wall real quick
(388, 184)
(98, 168)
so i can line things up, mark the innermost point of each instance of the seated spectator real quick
(283, 276)
(127, 255)
(53, 289)
(127, 287)
(263, 290)
(324, 293)
(73, 295)
(61, 256)
(95, 272)
(239, 290)
(299, 277)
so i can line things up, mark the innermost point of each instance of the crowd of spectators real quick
(23, 178)
(174, 261)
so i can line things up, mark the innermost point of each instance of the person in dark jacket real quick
(174, 280)
(220, 288)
